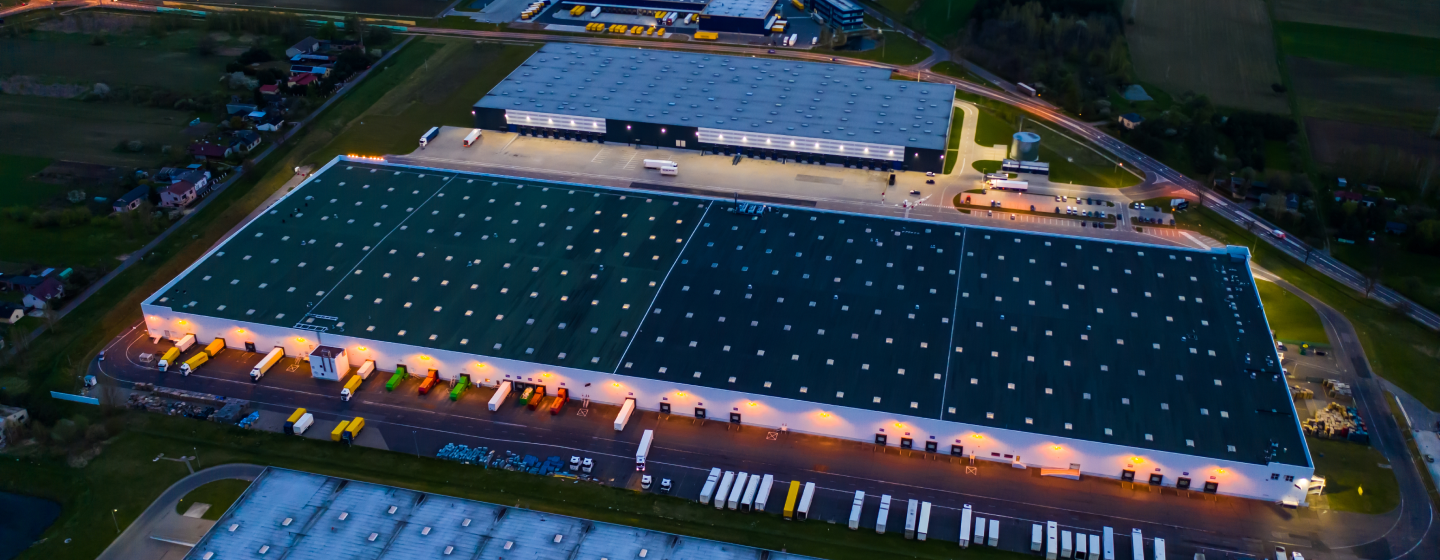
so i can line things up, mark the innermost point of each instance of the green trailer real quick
(397, 378)
(460, 385)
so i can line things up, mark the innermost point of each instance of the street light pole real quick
(116, 520)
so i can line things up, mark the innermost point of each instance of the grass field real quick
(1290, 317)
(948, 68)
(124, 478)
(1223, 49)
(898, 49)
(219, 494)
(1413, 274)
(113, 65)
(952, 153)
(1362, 47)
(986, 166)
(1396, 16)
(16, 186)
(1348, 468)
(940, 20)
(992, 129)
(72, 130)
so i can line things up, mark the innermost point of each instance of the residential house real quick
(270, 123)
(11, 417)
(196, 176)
(319, 71)
(178, 194)
(206, 150)
(312, 59)
(19, 282)
(270, 91)
(244, 140)
(301, 80)
(49, 288)
(239, 108)
(1397, 228)
(1131, 120)
(305, 46)
(1292, 201)
(1348, 196)
(10, 313)
(131, 200)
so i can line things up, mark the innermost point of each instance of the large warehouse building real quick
(1137, 362)
(801, 111)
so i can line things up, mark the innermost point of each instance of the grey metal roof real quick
(805, 99)
(424, 525)
(740, 8)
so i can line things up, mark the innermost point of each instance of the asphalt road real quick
(686, 449)
(135, 541)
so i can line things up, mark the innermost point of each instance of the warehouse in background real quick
(738, 16)
(841, 14)
(771, 109)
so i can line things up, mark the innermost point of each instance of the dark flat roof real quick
(1142, 346)
(786, 97)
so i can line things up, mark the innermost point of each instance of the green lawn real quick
(16, 187)
(219, 494)
(1290, 317)
(1350, 467)
(1361, 47)
(952, 153)
(993, 129)
(1415, 275)
(899, 49)
(124, 478)
(954, 70)
(937, 19)
(986, 166)
(54, 57)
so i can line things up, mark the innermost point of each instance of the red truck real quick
(537, 398)
(429, 382)
(562, 395)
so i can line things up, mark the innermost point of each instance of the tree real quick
(328, 32)
(206, 45)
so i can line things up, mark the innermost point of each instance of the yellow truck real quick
(706, 35)
(339, 430)
(215, 347)
(194, 362)
(169, 357)
(352, 429)
(351, 387)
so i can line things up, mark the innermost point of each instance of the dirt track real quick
(1221, 48)
(407, 8)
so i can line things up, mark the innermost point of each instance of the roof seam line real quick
(954, 319)
(661, 288)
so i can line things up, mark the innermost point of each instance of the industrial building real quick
(738, 16)
(840, 14)
(1077, 356)
(774, 109)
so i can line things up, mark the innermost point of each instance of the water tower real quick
(1025, 146)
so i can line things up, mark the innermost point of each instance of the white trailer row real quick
(737, 491)
(1058, 543)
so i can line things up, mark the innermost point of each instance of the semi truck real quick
(429, 136)
(737, 491)
(169, 357)
(526, 395)
(536, 398)
(659, 163)
(912, 514)
(290, 422)
(194, 362)
(335, 434)
(460, 385)
(884, 517)
(304, 423)
(472, 137)
(624, 416)
(366, 369)
(501, 392)
(747, 500)
(670, 171)
(644, 450)
(431, 378)
(396, 378)
(352, 430)
(562, 396)
(965, 526)
(186, 342)
(215, 347)
(922, 529)
(266, 363)
(855, 507)
(351, 386)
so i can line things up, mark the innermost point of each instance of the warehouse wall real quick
(490, 118)
(1032, 450)
(729, 24)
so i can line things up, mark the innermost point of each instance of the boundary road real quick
(137, 535)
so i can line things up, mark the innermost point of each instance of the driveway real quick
(159, 532)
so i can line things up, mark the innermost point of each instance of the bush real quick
(135, 146)
(97, 39)
(381, 35)
(206, 46)
(256, 54)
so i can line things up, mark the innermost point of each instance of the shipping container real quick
(732, 502)
(429, 136)
(352, 430)
(290, 422)
(339, 429)
(912, 512)
(722, 492)
(304, 423)
(791, 497)
(472, 137)
(802, 511)
(1137, 544)
(643, 451)
(747, 501)
(562, 396)
(1052, 540)
(461, 383)
(923, 529)
(500, 393)
(1037, 538)
(710, 483)
(266, 363)
(1160, 550)
(431, 378)
(624, 416)
(965, 526)
(884, 517)
(186, 342)
(536, 398)
(993, 539)
(168, 358)
(856, 506)
(671, 171)
(1108, 544)
(366, 369)
(396, 378)
(194, 362)
(762, 495)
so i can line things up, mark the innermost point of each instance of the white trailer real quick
(1037, 537)
(670, 171)
(624, 416)
(500, 393)
(365, 370)
(1160, 549)
(923, 528)
(472, 137)
(965, 526)
(1137, 544)
(710, 483)
(1010, 185)
(1052, 540)
(884, 517)
(265, 363)
(1109, 550)
(994, 538)
(763, 494)
(722, 492)
(1067, 549)
(855, 508)
(802, 511)
(595, 13)
(912, 513)
(979, 530)
(304, 423)
(1094, 548)
(747, 501)
(793, 38)
(659, 163)
(737, 491)
(1081, 551)
(644, 450)
(186, 342)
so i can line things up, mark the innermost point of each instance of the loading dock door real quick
(880, 439)
(1157, 479)
(957, 450)
(700, 413)
(1212, 487)
(664, 408)
(931, 446)
(734, 417)
(1182, 483)
(1127, 475)
(907, 443)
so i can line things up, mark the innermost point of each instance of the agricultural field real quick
(1222, 48)
(1407, 17)
(1376, 50)
(72, 130)
(56, 61)
(408, 8)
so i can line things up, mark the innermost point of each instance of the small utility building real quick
(773, 109)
